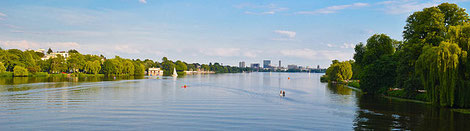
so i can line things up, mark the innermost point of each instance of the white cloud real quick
(346, 45)
(23, 44)
(333, 9)
(405, 6)
(316, 54)
(224, 52)
(290, 34)
(126, 49)
(330, 45)
(269, 9)
(2, 14)
(143, 1)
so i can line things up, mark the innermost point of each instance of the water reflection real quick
(380, 113)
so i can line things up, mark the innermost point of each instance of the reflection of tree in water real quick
(339, 89)
(385, 114)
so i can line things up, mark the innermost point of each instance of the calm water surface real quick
(245, 101)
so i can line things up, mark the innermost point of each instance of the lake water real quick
(244, 101)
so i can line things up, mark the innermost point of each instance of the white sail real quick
(174, 72)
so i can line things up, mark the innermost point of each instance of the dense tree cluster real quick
(31, 62)
(339, 71)
(432, 57)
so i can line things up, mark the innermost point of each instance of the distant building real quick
(155, 72)
(318, 66)
(266, 63)
(280, 64)
(241, 64)
(54, 55)
(292, 67)
(254, 66)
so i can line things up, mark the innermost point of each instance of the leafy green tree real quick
(377, 46)
(49, 51)
(19, 71)
(180, 66)
(72, 51)
(339, 71)
(167, 66)
(439, 71)
(2, 68)
(379, 75)
(139, 69)
(75, 61)
(58, 64)
(128, 67)
(92, 67)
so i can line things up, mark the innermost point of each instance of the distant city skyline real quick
(301, 32)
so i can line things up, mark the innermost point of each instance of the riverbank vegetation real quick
(29, 63)
(430, 64)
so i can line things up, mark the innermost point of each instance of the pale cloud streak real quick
(405, 6)
(333, 9)
(290, 34)
(310, 54)
(143, 1)
(2, 14)
(269, 9)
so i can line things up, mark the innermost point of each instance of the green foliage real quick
(380, 75)
(2, 68)
(58, 64)
(167, 67)
(439, 69)
(324, 78)
(49, 51)
(339, 71)
(377, 46)
(19, 71)
(354, 84)
(139, 69)
(92, 67)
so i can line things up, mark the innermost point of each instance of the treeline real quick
(431, 61)
(14, 62)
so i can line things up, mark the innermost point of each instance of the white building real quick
(54, 55)
(155, 72)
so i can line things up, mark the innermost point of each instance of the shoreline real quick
(459, 110)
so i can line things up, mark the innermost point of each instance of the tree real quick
(92, 67)
(2, 68)
(439, 69)
(167, 67)
(128, 67)
(72, 51)
(339, 71)
(180, 66)
(49, 51)
(379, 75)
(139, 68)
(75, 61)
(377, 46)
(19, 71)
(58, 64)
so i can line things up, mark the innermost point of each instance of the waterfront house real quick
(155, 72)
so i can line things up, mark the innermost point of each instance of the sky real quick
(302, 32)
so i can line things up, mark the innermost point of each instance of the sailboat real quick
(174, 72)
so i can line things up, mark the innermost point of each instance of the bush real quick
(324, 78)
(2, 68)
(41, 74)
(6, 74)
(354, 84)
(19, 71)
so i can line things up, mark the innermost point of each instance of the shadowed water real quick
(245, 101)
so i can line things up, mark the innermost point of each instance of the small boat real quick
(174, 72)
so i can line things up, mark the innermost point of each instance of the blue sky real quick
(303, 32)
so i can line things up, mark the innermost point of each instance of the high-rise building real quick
(241, 64)
(255, 66)
(318, 66)
(266, 63)
(292, 67)
(280, 64)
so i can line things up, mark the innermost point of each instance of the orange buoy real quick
(288, 78)
(184, 86)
